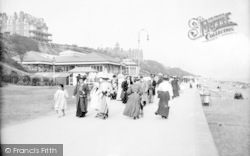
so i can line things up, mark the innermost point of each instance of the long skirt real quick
(150, 96)
(94, 103)
(132, 108)
(119, 92)
(124, 96)
(103, 108)
(176, 93)
(163, 108)
(81, 109)
(144, 98)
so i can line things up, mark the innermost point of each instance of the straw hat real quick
(104, 76)
(165, 77)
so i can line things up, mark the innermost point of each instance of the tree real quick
(21, 50)
(14, 76)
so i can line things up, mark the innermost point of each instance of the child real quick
(60, 99)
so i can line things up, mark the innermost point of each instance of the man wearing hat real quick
(152, 85)
(175, 86)
(81, 92)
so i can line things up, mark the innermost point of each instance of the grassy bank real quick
(22, 103)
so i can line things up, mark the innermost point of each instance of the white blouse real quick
(166, 86)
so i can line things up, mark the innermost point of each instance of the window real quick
(132, 71)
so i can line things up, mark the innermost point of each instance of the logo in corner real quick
(210, 28)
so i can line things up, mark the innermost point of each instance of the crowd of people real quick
(134, 92)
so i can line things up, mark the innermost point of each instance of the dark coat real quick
(175, 85)
(84, 92)
(124, 95)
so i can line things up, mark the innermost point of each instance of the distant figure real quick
(165, 93)
(119, 90)
(81, 92)
(238, 96)
(176, 87)
(144, 96)
(151, 89)
(114, 83)
(132, 108)
(60, 99)
(78, 77)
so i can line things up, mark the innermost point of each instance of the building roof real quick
(71, 51)
(33, 56)
(82, 70)
(92, 57)
(51, 74)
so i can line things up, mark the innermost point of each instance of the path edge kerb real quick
(204, 142)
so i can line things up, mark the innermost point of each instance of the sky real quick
(103, 23)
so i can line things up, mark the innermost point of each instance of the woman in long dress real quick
(119, 91)
(104, 93)
(81, 92)
(94, 97)
(132, 108)
(165, 93)
(60, 98)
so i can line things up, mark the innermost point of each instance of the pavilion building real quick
(42, 62)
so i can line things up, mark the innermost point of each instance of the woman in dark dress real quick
(165, 93)
(81, 92)
(125, 86)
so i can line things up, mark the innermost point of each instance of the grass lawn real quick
(22, 103)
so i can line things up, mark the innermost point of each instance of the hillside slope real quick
(17, 45)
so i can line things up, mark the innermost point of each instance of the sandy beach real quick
(228, 118)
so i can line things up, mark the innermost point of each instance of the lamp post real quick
(53, 68)
(139, 52)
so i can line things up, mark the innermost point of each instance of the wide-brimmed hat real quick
(165, 77)
(104, 76)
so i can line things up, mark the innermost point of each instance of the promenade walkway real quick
(184, 133)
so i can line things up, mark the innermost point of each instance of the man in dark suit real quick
(176, 87)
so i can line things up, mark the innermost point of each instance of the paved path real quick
(184, 133)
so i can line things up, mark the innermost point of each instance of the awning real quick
(51, 74)
(83, 70)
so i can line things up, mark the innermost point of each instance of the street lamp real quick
(139, 53)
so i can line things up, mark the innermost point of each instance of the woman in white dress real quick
(94, 103)
(104, 93)
(119, 91)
